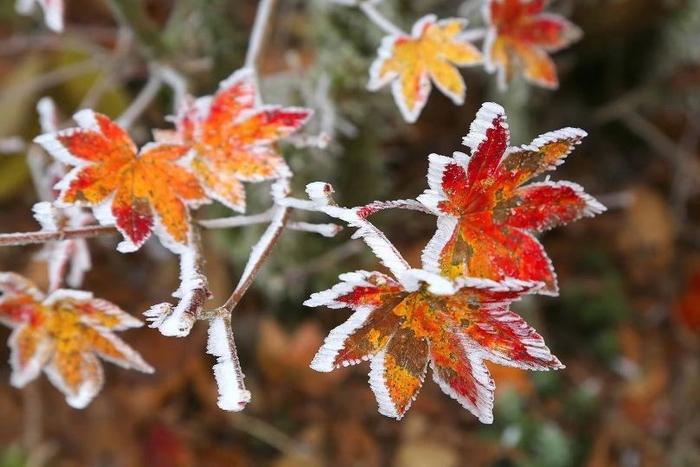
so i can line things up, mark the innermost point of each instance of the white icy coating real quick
(437, 285)
(53, 11)
(485, 117)
(430, 257)
(177, 321)
(377, 382)
(324, 360)
(389, 256)
(48, 115)
(21, 375)
(348, 282)
(88, 388)
(233, 395)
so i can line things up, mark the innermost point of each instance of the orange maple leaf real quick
(234, 139)
(139, 192)
(402, 325)
(63, 334)
(432, 52)
(486, 215)
(521, 37)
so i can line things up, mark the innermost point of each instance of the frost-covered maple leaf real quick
(63, 334)
(53, 11)
(401, 326)
(521, 36)
(432, 52)
(486, 215)
(416, 317)
(138, 191)
(235, 139)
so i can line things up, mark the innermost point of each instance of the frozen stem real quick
(379, 19)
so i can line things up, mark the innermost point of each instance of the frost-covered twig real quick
(37, 237)
(370, 10)
(90, 231)
(193, 292)
(142, 101)
(257, 34)
(261, 251)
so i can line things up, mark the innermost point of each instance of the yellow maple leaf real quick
(431, 53)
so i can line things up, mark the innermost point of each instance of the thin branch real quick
(237, 221)
(259, 255)
(142, 101)
(271, 435)
(257, 35)
(90, 231)
(379, 19)
(30, 238)
(473, 35)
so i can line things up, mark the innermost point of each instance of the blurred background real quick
(627, 323)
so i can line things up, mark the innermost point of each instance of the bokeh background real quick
(627, 323)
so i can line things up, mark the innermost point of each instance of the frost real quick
(233, 395)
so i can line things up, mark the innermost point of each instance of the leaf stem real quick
(257, 34)
(142, 101)
(379, 19)
(259, 255)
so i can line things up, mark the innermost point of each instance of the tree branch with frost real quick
(92, 231)
(369, 8)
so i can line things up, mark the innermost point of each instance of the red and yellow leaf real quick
(138, 192)
(235, 140)
(63, 334)
(520, 38)
(402, 326)
(487, 216)
(431, 53)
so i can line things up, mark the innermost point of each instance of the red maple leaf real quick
(63, 334)
(235, 139)
(403, 325)
(521, 37)
(138, 191)
(486, 214)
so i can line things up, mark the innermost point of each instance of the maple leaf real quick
(139, 192)
(432, 52)
(402, 323)
(63, 334)
(234, 138)
(401, 326)
(486, 216)
(53, 11)
(521, 36)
